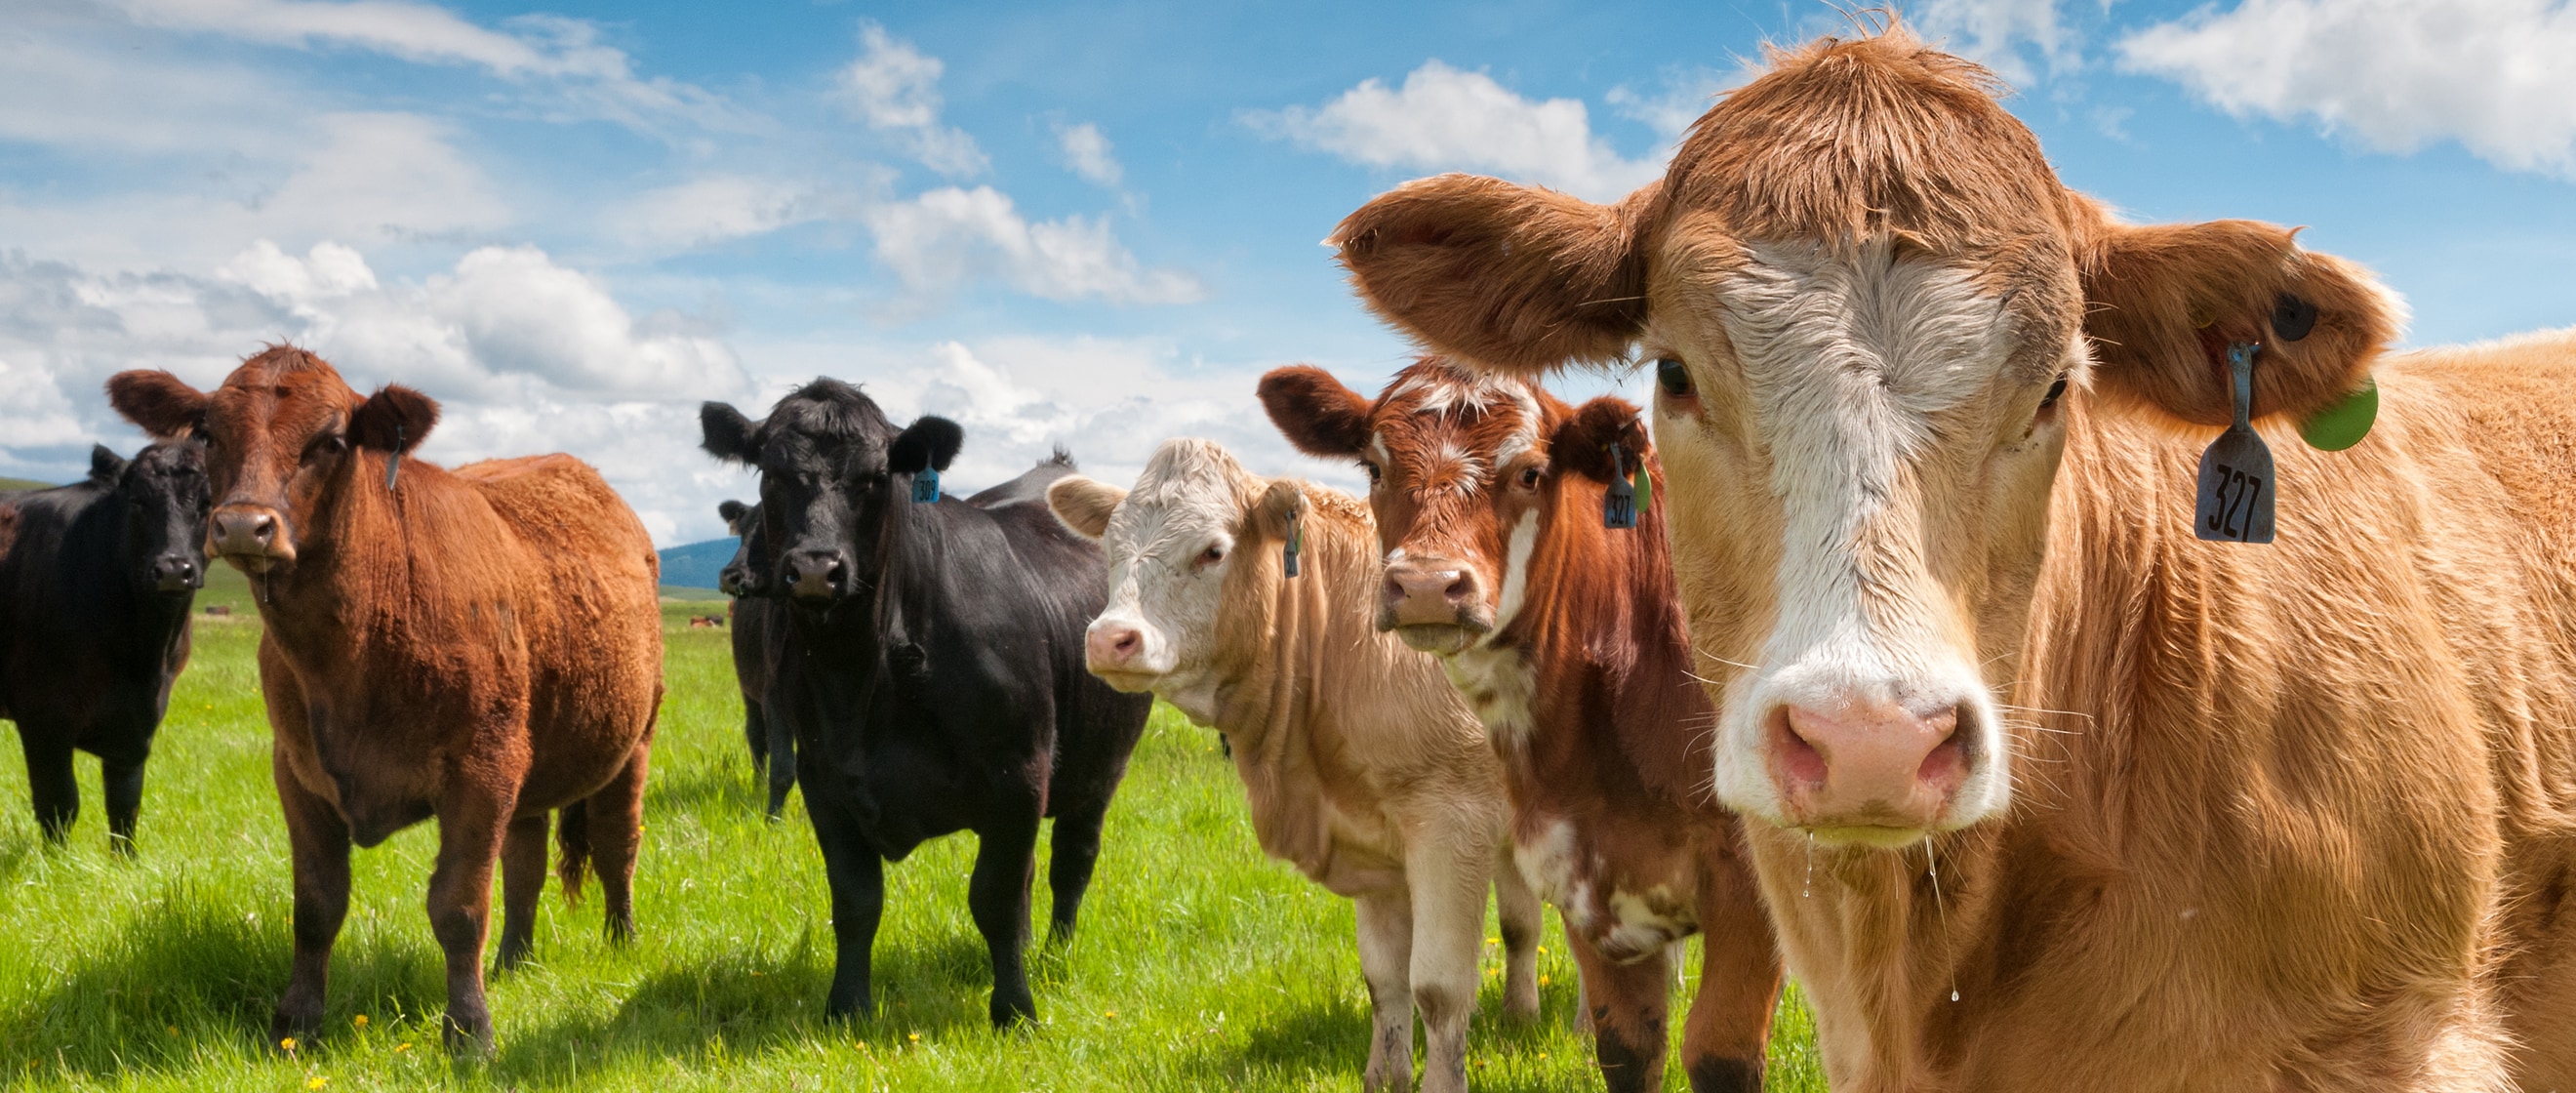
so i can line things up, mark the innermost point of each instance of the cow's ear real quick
(1509, 277)
(2163, 303)
(395, 419)
(725, 434)
(928, 442)
(1084, 504)
(156, 401)
(1316, 412)
(1282, 503)
(733, 512)
(1581, 443)
(105, 466)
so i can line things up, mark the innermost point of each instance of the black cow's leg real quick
(49, 775)
(319, 841)
(998, 896)
(470, 825)
(1073, 852)
(523, 880)
(755, 732)
(782, 760)
(124, 792)
(857, 877)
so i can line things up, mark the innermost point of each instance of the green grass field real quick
(1201, 965)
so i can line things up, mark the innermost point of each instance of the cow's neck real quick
(356, 585)
(1269, 688)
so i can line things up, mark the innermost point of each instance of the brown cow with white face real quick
(1567, 639)
(2053, 794)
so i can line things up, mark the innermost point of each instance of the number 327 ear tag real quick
(2236, 481)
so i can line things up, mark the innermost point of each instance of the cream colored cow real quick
(1362, 766)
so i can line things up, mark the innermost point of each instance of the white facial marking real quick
(1516, 563)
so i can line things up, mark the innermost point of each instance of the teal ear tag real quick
(925, 486)
(2236, 486)
(2343, 424)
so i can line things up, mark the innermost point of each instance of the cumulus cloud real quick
(717, 208)
(894, 88)
(939, 239)
(1447, 119)
(1086, 151)
(2000, 34)
(2393, 74)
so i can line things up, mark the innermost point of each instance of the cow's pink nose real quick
(1442, 595)
(1113, 647)
(1866, 765)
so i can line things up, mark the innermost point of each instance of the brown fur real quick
(2296, 817)
(1607, 774)
(481, 645)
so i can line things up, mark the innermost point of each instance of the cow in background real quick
(1360, 765)
(757, 621)
(94, 598)
(1568, 641)
(931, 669)
(2045, 791)
(481, 645)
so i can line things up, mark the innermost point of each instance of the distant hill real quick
(696, 565)
(11, 484)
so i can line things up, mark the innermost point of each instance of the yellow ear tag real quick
(2343, 424)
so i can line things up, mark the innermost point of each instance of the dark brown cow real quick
(1567, 639)
(480, 645)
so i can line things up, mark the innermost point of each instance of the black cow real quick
(931, 666)
(757, 619)
(94, 596)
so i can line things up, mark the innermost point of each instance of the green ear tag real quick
(1645, 487)
(2343, 424)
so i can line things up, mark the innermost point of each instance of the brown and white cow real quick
(1361, 766)
(2087, 802)
(1567, 639)
(480, 645)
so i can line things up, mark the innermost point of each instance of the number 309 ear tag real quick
(925, 486)
(2236, 481)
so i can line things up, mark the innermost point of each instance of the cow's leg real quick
(49, 776)
(1071, 854)
(782, 761)
(1629, 1003)
(318, 840)
(1448, 884)
(755, 733)
(998, 896)
(122, 785)
(1386, 961)
(523, 879)
(470, 825)
(616, 817)
(1729, 1030)
(1522, 923)
(857, 877)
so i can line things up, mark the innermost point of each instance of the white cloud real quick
(894, 88)
(1994, 33)
(714, 209)
(1086, 151)
(2396, 75)
(941, 238)
(1671, 110)
(1447, 119)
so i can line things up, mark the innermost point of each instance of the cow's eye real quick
(326, 444)
(1673, 376)
(1212, 555)
(1529, 478)
(1375, 475)
(2056, 391)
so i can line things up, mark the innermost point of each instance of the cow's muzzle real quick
(252, 537)
(737, 581)
(1435, 605)
(816, 575)
(1868, 772)
(177, 573)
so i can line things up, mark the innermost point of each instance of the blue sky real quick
(1092, 226)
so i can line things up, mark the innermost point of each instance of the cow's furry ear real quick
(105, 466)
(1282, 503)
(2164, 302)
(1514, 278)
(395, 419)
(927, 442)
(725, 434)
(1316, 412)
(1084, 504)
(156, 401)
(1581, 443)
(733, 512)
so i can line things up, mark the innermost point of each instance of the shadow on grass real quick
(187, 970)
(731, 786)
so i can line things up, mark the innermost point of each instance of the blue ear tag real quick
(1619, 502)
(2236, 481)
(925, 486)
(1296, 544)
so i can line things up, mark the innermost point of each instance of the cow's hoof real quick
(857, 1007)
(469, 1036)
(1008, 1012)
(289, 1032)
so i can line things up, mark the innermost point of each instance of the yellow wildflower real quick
(317, 1082)
(361, 1020)
(287, 1043)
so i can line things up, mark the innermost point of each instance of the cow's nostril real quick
(1125, 643)
(264, 528)
(1462, 589)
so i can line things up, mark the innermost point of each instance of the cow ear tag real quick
(1296, 544)
(925, 486)
(1619, 502)
(2345, 423)
(2236, 482)
(393, 464)
(1644, 481)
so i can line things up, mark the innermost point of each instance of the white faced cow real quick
(2051, 793)
(1361, 764)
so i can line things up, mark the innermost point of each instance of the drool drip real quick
(1932, 866)
(1809, 890)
